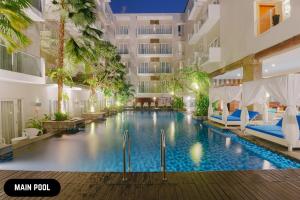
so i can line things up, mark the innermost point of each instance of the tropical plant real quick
(80, 42)
(59, 116)
(202, 103)
(178, 103)
(13, 21)
(125, 93)
(35, 123)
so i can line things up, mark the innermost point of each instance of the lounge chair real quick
(168, 105)
(138, 105)
(234, 119)
(161, 105)
(152, 105)
(272, 133)
(146, 105)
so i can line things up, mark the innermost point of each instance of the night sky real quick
(148, 6)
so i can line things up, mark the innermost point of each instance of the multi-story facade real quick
(233, 40)
(150, 45)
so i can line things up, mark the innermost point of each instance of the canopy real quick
(225, 94)
(283, 89)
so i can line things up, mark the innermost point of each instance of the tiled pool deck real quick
(239, 185)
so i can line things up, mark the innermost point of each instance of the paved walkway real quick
(239, 185)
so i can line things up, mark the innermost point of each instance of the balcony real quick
(152, 88)
(194, 8)
(154, 31)
(152, 69)
(211, 59)
(122, 32)
(21, 67)
(155, 50)
(209, 19)
(105, 12)
(36, 10)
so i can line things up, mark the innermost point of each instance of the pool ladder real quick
(126, 143)
(163, 154)
(126, 146)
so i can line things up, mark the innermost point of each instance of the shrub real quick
(35, 123)
(178, 103)
(60, 116)
(202, 104)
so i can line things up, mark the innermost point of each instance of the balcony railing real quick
(37, 4)
(152, 89)
(163, 68)
(123, 30)
(155, 30)
(146, 49)
(123, 51)
(20, 62)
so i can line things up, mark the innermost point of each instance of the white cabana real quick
(283, 89)
(225, 94)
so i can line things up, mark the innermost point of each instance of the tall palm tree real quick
(81, 14)
(13, 21)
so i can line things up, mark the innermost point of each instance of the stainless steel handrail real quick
(163, 154)
(124, 155)
(126, 143)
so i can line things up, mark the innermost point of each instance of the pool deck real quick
(237, 185)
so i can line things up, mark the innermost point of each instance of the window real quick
(122, 30)
(180, 30)
(271, 13)
(123, 49)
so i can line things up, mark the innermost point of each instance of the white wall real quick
(238, 36)
(31, 93)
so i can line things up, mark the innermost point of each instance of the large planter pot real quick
(72, 125)
(276, 19)
(94, 116)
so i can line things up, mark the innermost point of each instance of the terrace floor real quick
(239, 185)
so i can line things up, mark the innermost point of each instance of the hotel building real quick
(232, 40)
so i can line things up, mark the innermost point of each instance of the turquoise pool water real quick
(191, 146)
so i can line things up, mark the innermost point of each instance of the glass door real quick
(8, 130)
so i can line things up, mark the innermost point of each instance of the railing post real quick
(163, 154)
(124, 156)
(129, 146)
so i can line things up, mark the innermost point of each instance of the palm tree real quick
(80, 13)
(13, 21)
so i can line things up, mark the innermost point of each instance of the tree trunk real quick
(60, 81)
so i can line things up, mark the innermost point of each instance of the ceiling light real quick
(273, 65)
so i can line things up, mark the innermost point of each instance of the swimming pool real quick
(191, 146)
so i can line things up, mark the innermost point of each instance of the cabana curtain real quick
(284, 89)
(225, 94)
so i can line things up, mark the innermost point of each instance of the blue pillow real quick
(253, 114)
(279, 123)
(237, 113)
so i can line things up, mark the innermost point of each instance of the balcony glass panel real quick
(154, 29)
(20, 62)
(155, 68)
(37, 4)
(150, 87)
(154, 49)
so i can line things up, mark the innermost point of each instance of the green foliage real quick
(188, 79)
(202, 104)
(13, 21)
(60, 116)
(35, 123)
(61, 74)
(178, 103)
